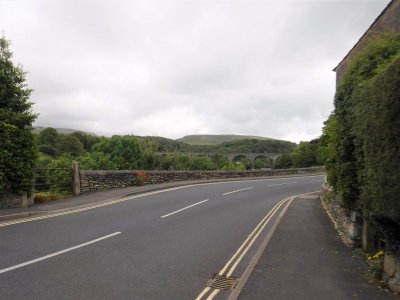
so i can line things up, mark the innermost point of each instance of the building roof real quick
(365, 33)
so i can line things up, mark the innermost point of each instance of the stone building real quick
(388, 20)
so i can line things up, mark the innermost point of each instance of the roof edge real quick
(365, 33)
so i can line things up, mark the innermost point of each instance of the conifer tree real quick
(17, 143)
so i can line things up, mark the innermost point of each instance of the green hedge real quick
(17, 143)
(365, 161)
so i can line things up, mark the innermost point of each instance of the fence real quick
(53, 181)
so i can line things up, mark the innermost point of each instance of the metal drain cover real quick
(222, 282)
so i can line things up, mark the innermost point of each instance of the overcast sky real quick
(173, 68)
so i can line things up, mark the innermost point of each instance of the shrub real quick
(348, 99)
(18, 151)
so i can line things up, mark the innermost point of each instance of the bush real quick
(283, 162)
(234, 166)
(202, 163)
(17, 151)
(348, 99)
(380, 142)
(47, 149)
(360, 143)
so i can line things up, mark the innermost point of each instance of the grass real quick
(45, 197)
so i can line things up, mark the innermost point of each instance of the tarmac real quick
(305, 258)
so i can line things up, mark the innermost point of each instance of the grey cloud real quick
(183, 67)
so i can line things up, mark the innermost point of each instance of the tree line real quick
(132, 152)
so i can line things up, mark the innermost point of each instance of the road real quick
(163, 245)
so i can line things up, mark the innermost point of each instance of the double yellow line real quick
(85, 208)
(233, 262)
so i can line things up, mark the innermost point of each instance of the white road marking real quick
(249, 188)
(276, 184)
(145, 194)
(57, 253)
(179, 210)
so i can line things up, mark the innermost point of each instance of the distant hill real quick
(63, 130)
(210, 139)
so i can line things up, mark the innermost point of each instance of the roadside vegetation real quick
(18, 147)
(155, 153)
(361, 138)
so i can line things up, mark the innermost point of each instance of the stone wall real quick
(104, 180)
(349, 224)
(391, 274)
(14, 200)
(355, 233)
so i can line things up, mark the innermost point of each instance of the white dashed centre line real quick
(249, 188)
(57, 253)
(179, 210)
(283, 183)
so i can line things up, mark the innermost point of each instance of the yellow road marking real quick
(250, 241)
(250, 236)
(213, 294)
(269, 215)
(255, 238)
(123, 199)
(73, 211)
(203, 293)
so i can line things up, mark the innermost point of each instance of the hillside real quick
(210, 139)
(211, 143)
(237, 146)
(63, 130)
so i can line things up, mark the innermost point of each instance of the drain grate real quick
(222, 282)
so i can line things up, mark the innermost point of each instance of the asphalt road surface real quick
(163, 245)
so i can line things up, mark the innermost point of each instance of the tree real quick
(48, 140)
(17, 151)
(70, 144)
(283, 162)
(48, 136)
(96, 161)
(328, 149)
(202, 163)
(125, 152)
(86, 139)
(305, 155)
(261, 163)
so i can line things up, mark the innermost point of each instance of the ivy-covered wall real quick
(361, 140)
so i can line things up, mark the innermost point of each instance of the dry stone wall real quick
(104, 180)
(349, 224)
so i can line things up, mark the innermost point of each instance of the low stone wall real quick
(104, 180)
(356, 233)
(391, 274)
(349, 225)
(14, 200)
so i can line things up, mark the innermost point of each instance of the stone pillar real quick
(76, 180)
(31, 199)
(391, 272)
(24, 200)
(354, 228)
(369, 238)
